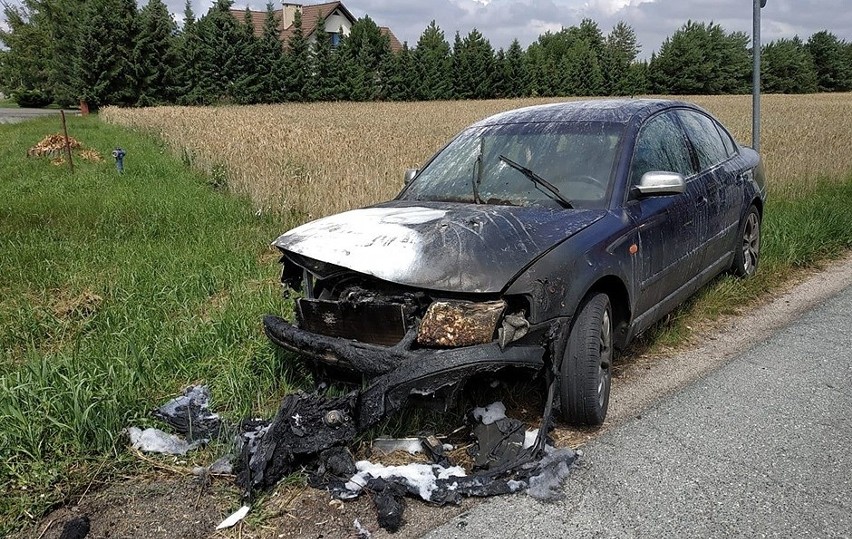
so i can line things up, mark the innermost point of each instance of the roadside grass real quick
(118, 291)
(8, 103)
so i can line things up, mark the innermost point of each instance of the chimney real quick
(289, 14)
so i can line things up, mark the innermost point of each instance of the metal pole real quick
(755, 93)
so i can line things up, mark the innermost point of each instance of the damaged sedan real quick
(540, 239)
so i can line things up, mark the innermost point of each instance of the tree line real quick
(110, 52)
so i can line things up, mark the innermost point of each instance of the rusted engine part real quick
(453, 323)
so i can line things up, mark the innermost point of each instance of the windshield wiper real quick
(538, 180)
(477, 173)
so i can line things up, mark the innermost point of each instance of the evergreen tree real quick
(25, 65)
(619, 54)
(367, 56)
(189, 66)
(248, 77)
(434, 65)
(104, 69)
(298, 62)
(221, 62)
(787, 68)
(581, 71)
(702, 59)
(515, 71)
(834, 73)
(63, 19)
(154, 56)
(473, 62)
(402, 76)
(320, 87)
(270, 59)
(500, 85)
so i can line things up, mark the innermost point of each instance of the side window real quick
(660, 146)
(730, 145)
(705, 138)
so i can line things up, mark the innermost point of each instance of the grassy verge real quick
(8, 103)
(117, 291)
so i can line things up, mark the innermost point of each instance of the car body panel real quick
(465, 248)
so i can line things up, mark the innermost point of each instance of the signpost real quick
(755, 92)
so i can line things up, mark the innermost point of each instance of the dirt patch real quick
(162, 507)
(165, 507)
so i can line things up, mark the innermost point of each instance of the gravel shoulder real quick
(136, 508)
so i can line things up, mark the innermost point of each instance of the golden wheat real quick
(321, 158)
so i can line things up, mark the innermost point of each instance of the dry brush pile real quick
(320, 158)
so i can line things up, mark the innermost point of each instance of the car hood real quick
(468, 248)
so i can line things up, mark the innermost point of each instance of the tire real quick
(586, 370)
(747, 252)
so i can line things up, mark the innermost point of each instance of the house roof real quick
(310, 17)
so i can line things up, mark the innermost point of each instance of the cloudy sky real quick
(503, 20)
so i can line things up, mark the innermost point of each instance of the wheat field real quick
(315, 159)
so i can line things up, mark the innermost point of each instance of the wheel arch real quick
(619, 300)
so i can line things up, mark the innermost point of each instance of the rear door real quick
(669, 236)
(719, 178)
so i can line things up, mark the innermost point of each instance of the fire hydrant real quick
(119, 154)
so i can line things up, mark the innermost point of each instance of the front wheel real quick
(747, 254)
(586, 371)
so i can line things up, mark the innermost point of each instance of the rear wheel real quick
(586, 371)
(747, 254)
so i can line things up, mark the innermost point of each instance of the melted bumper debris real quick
(311, 433)
(190, 414)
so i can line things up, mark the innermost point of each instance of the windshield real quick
(505, 164)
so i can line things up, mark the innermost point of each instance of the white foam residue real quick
(491, 413)
(529, 438)
(420, 477)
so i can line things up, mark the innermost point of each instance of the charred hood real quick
(437, 246)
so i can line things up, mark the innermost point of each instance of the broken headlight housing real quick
(454, 323)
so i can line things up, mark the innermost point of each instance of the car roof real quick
(595, 110)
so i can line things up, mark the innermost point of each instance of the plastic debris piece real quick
(190, 414)
(156, 441)
(490, 413)
(545, 483)
(386, 446)
(363, 533)
(222, 466)
(389, 500)
(499, 443)
(237, 516)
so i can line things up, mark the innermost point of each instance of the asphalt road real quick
(760, 448)
(11, 115)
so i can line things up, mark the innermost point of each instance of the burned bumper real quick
(396, 372)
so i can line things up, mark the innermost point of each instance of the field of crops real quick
(321, 158)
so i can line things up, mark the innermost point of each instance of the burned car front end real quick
(411, 296)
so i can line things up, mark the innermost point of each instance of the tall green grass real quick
(116, 292)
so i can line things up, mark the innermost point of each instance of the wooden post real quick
(67, 142)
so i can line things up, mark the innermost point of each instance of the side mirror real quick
(657, 182)
(409, 175)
